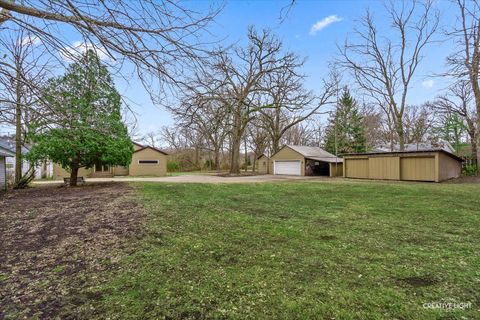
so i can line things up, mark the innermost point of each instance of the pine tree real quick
(346, 128)
(86, 126)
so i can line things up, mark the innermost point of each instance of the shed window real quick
(147, 161)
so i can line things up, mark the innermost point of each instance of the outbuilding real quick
(4, 153)
(263, 164)
(306, 161)
(146, 161)
(421, 165)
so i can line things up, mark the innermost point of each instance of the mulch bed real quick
(55, 242)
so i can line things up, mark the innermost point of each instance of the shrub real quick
(173, 166)
(469, 170)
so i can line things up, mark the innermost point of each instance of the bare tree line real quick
(252, 97)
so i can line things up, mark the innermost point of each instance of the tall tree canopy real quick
(346, 131)
(86, 126)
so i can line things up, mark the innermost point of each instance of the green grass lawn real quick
(340, 250)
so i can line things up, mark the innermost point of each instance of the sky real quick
(312, 29)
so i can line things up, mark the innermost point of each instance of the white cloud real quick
(33, 40)
(319, 25)
(79, 48)
(428, 83)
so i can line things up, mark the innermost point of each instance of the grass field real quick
(340, 250)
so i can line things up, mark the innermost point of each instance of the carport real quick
(425, 165)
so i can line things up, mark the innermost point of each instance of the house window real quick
(147, 161)
(99, 167)
(264, 164)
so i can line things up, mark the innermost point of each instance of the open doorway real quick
(316, 168)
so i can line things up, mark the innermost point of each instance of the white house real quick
(4, 154)
(41, 170)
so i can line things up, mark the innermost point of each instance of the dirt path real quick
(198, 179)
(54, 241)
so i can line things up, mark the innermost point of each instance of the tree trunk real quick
(401, 134)
(18, 129)
(275, 144)
(235, 153)
(476, 152)
(217, 158)
(246, 154)
(74, 175)
(197, 158)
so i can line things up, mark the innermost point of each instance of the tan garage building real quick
(426, 165)
(263, 164)
(146, 161)
(305, 161)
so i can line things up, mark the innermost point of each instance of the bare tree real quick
(257, 139)
(301, 134)
(23, 70)
(460, 101)
(465, 62)
(236, 79)
(384, 67)
(160, 39)
(151, 138)
(290, 103)
(419, 122)
(377, 130)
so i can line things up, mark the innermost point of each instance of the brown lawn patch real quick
(54, 241)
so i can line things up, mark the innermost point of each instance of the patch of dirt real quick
(472, 179)
(241, 174)
(55, 241)
(327, 237)
(417, 281)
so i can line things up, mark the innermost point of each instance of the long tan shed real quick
(424, 165)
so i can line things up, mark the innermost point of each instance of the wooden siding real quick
(418, 168)
(263, 165)
(339, 169)
(448, 168)
(148, 169)
(285, 154)
(3, 174)
(356, 168)
(410, 166)
(120, 171)
(387, 168)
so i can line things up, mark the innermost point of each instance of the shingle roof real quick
(4, 152)
(315, 153)
(9, 144)
(149, 147)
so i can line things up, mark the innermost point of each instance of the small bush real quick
(469, 170)
(173, 166)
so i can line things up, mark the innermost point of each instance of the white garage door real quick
(288, 167)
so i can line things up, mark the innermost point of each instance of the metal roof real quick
(315, 153)
(6, 152)
(427, 145)
(403, 152)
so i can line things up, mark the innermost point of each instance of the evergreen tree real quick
(85, 126)
(346, 128)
